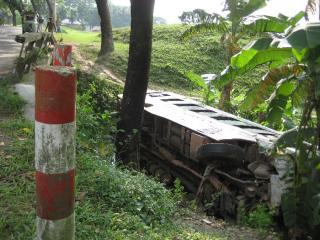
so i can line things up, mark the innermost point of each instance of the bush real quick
(125, 190)
(261, 218)
(96, 113)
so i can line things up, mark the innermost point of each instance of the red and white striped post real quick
(55, 129)
(62, 55)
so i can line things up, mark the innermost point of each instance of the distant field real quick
(74, 36)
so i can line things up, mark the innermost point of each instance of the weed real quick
(16, 181)
(261, 217)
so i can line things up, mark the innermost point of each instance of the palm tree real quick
(232, 28)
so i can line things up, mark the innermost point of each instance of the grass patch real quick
(70, 35)
(10, 102)
(17, 187)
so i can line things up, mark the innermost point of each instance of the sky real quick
(171, 9)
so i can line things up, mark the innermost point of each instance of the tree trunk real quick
(34, 6)
(51, 6)
(225, 98)
(132, 104)
(106, 27)
(14, 17)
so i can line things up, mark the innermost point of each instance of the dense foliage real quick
(231, 29)
(293, 83)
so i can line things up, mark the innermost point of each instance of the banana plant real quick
(293, 58)
(234, 26)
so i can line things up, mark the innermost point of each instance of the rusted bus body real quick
(221, 158)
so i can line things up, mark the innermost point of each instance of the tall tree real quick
(34, 6)
(136, 84)
(106, 27)
(52, 9)
(15, 5)
(14, 16)
(230, 27)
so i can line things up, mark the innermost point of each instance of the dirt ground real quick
(93, 67)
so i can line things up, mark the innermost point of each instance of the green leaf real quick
(226, 76)
(289, 208)
(290, 138)
(300, 93)
(306, 36)
(278, 55)
(196, 79)
(317, 88)
(269, 24)
(312, 199)
(275, 114)
(285, 88)
(300, 55)
(296, 18)
(241, 59)
(266, 24)
(276, 108)
(220, 25)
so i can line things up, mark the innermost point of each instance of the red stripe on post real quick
(55, 195)
(55, 95)
(62, 55)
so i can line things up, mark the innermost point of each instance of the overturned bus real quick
(222, 159)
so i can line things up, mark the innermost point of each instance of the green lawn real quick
(69, 35)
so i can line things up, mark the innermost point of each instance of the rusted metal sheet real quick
(196, 142)
(208, 121)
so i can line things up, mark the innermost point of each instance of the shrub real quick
(261, 217)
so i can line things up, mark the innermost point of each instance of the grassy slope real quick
(171, 58)
(72, 35)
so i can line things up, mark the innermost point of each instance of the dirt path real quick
(92, 67)
(9, 49)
